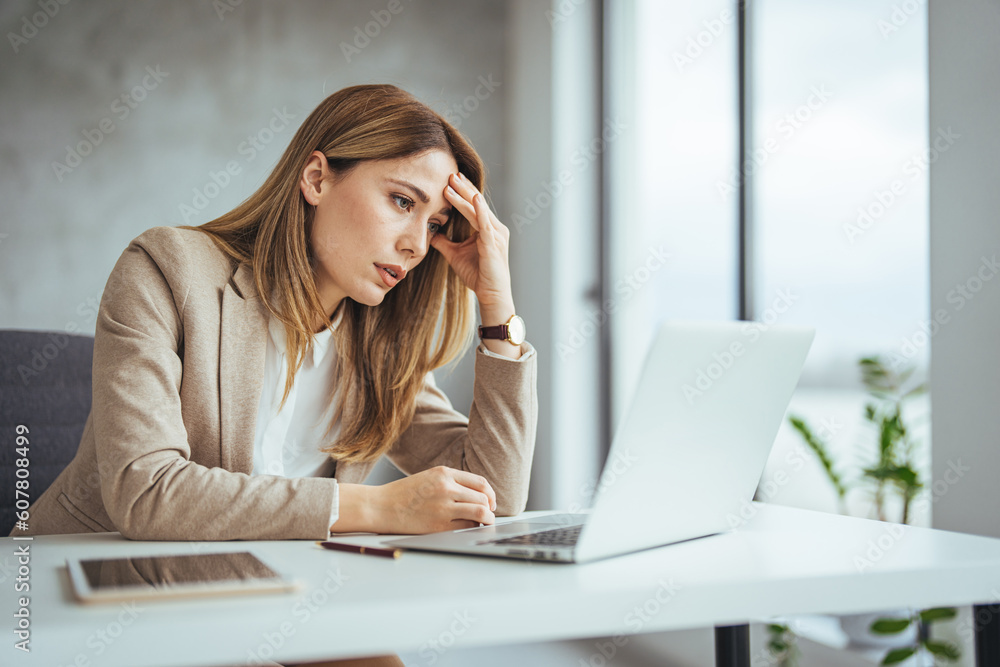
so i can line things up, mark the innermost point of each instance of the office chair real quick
(45, 385)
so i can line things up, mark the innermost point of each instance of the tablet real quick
(154, 577)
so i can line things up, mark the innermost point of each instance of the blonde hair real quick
(382, 365)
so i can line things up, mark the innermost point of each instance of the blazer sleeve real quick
(497, 440)
(151, 487)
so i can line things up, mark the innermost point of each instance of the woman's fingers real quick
(450, 248)
(466, 495)
(460, 193)
(483, 216)
(464, 198)
(463, 186)
(440, 498)
(463, 205)
(469, 190)
(476, 483)
(473, 512)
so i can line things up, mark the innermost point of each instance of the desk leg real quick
(732, 646)
(986, 621)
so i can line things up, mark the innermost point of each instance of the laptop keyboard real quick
(557, 537)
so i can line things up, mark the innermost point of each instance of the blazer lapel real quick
(242, 351)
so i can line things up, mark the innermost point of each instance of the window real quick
(839, 216)
(836, 179)
(683, 136)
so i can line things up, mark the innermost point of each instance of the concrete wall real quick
(155, 97)
(965, 246)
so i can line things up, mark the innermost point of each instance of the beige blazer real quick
(167, 450)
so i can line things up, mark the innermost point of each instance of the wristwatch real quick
(512, 331)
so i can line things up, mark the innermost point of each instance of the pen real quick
(372, 551)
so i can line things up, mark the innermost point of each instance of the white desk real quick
(783, 561)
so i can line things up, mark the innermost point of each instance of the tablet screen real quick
(158, 576)
(157, 571)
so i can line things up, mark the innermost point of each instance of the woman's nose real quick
(416, 239)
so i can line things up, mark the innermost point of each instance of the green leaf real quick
(906, 476)
(894, 426)
(886, 439)
(890, 626)
(898, 655)
(877, 377)
(778, 647)
(879, 473)
(937, 614)
(819, 448)
(775, 628)
(945, 650)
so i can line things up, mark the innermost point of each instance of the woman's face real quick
(374, 222)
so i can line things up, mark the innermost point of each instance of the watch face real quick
(515, 330)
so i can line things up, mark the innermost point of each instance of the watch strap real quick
(498, 332)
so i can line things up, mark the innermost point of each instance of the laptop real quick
(685, 458)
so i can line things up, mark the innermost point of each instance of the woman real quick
(250, 372)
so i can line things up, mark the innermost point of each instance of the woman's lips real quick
(391, 273)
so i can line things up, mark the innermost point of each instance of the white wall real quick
(553, 212)
(529, 129)
(579, 317)
(965, 241)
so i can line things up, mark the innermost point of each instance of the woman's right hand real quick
(432, 501)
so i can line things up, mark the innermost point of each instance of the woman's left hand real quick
(481, 261)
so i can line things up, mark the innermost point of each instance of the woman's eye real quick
(404, 203)
(434, 227)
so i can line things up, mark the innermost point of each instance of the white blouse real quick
(287, 442)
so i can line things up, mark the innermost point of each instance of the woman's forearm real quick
(429, 501)
(355, 511)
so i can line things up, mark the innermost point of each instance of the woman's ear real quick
(313, 175)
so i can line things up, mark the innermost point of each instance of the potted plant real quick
(892, 471)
